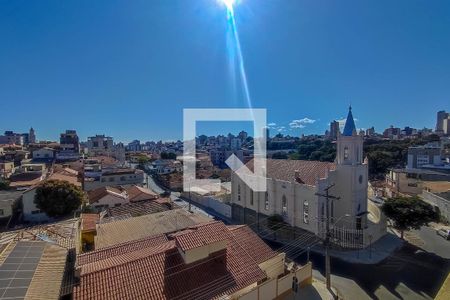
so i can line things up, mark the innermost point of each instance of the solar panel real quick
(18, 269)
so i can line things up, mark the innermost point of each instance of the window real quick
(345, 152)
(266, 201)
(122, 178)
(305, 212)
(284, 206)
(251, 197)
(239, 193)
(111, 179)
(2, 212)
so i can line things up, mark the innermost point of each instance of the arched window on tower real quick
(345, 152)
(284, 206)
(251, 197)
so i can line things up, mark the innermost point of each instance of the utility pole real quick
(327, 197)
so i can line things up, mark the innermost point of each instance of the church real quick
(296, 189)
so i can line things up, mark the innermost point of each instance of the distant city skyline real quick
(129, 69)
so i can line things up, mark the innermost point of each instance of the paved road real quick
(409, 273)
(432, 242)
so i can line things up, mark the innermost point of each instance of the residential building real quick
(412, 181)
(100, 145)
(11, 138)
(6, 169)
(418, 156)
(113, 177)
(32, 214)
(392, 133)
(31, 136)
(334, 130)
(206, 261)
(293, 188)
(69, 141)
(44, 154)
(134, 146)
(106, 197)
(441, 116)
(370, 132)
(8, 200)
(120, 231)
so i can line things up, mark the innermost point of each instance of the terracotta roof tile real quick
(159, 271)
(301, 171)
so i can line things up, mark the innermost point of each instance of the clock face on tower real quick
(360, 179)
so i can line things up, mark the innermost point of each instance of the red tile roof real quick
(143, 271)
(202, 235)
(301, 171)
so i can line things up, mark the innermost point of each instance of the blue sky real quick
(128, 68)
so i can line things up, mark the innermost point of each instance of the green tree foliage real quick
(4, 185)
(168, 155)
(315, 149)
(409, 213)
(279, 155)
(58, 198)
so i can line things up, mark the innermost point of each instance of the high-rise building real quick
(441, 116)
(70, 141)
(334, 130)
(100, 145)
(370, 131)
(31, 136)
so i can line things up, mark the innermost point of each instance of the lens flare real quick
(235, 51)
(229, 4)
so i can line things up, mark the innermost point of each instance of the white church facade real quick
(294, 189)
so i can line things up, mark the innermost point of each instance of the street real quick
(409, 273)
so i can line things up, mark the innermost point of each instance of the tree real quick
(58, 198)
(409, 213)
(168, 155)
(4, 185)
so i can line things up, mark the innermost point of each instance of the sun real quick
(229, 4)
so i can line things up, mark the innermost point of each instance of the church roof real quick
(349, 124)
(300, 171)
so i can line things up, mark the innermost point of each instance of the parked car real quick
(445, 233)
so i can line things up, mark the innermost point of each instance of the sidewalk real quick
(374, 254)
(317, 290)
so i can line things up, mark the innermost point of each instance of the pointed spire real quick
(349, 127)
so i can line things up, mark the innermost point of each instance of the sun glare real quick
(229, 4)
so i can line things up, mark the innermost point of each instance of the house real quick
(136, 209)
(112, 233)
(43, 154)
(295, 189)
(412, 181)
(6, 169)
(30, 212)
(113, 177)
(8, 200)
(204, 261)
(166, 166)
(106, 197)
